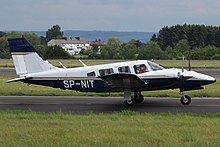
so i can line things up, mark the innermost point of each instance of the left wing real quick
(123, 81)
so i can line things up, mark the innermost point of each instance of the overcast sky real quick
(116, 15)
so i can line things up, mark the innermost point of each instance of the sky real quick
(107, 15)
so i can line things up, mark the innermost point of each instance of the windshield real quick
(154, 66)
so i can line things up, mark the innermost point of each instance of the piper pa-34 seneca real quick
(130, 77)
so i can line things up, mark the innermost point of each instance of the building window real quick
(103, 72)
(141, 68)
(124, 69)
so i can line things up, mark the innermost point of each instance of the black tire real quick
(129, 102)
(185, 100)
(139, 99)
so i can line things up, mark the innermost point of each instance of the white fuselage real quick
(82, 72)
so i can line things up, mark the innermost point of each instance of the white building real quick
(72, 45)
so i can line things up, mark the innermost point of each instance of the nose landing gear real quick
(185, 99)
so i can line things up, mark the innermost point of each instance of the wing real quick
(123, 81)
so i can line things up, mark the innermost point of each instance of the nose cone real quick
(210, 79)
(205, 78)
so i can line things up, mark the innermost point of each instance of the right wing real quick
(123, 81)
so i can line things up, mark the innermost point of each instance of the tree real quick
(151, 51)
(154, 38)
(95, 48)
(54, 33)
(113, 43)
(198, 36)
(183, 48)
(170, 53)
(2, 33)
(111, 49)
(217, 38)
(128, 50)
(206, 53)
(55, 52)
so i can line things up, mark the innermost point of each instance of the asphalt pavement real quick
(82, 105)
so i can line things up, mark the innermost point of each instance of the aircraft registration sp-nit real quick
(130, 77)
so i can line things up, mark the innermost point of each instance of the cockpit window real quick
(124, 69)
(103, 72)
(141, 68)
(155, 66)
(91, 74)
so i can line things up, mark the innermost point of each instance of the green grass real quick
(165, 63)
(124, 129)
(194, 63)
(20, 89)
(67, 63)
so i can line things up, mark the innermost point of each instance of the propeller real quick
(189, 64)
(181, 76)
(184, 75)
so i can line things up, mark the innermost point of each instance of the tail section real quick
(26, 59)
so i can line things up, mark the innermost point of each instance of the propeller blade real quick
(189, 64)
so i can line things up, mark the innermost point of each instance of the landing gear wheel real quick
(185, 100)
(139, 98)
(129, 102)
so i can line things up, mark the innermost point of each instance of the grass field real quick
(165, 63)
(19, 89)
(124, 129)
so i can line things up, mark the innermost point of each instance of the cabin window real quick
(91, 74)
(125, 69)
(140, 68)
(154, 66)
(103, 72)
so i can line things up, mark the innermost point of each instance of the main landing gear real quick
(137, 98)
(185, 99)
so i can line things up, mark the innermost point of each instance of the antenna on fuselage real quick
(82, 63)
(62, 65)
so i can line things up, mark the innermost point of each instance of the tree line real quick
(192, 41)
(39, 43)
(198, 36)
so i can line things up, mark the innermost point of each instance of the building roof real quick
(97, 42)
(71, 40)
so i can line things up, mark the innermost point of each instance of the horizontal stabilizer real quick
(18, 79)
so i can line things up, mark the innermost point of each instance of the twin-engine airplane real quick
(130, 77)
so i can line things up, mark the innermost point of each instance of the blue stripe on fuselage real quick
(84, 85)
(98, 85)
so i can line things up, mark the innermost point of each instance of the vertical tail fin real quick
(26, 59)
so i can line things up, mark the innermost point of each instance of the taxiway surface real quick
(82, 105)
